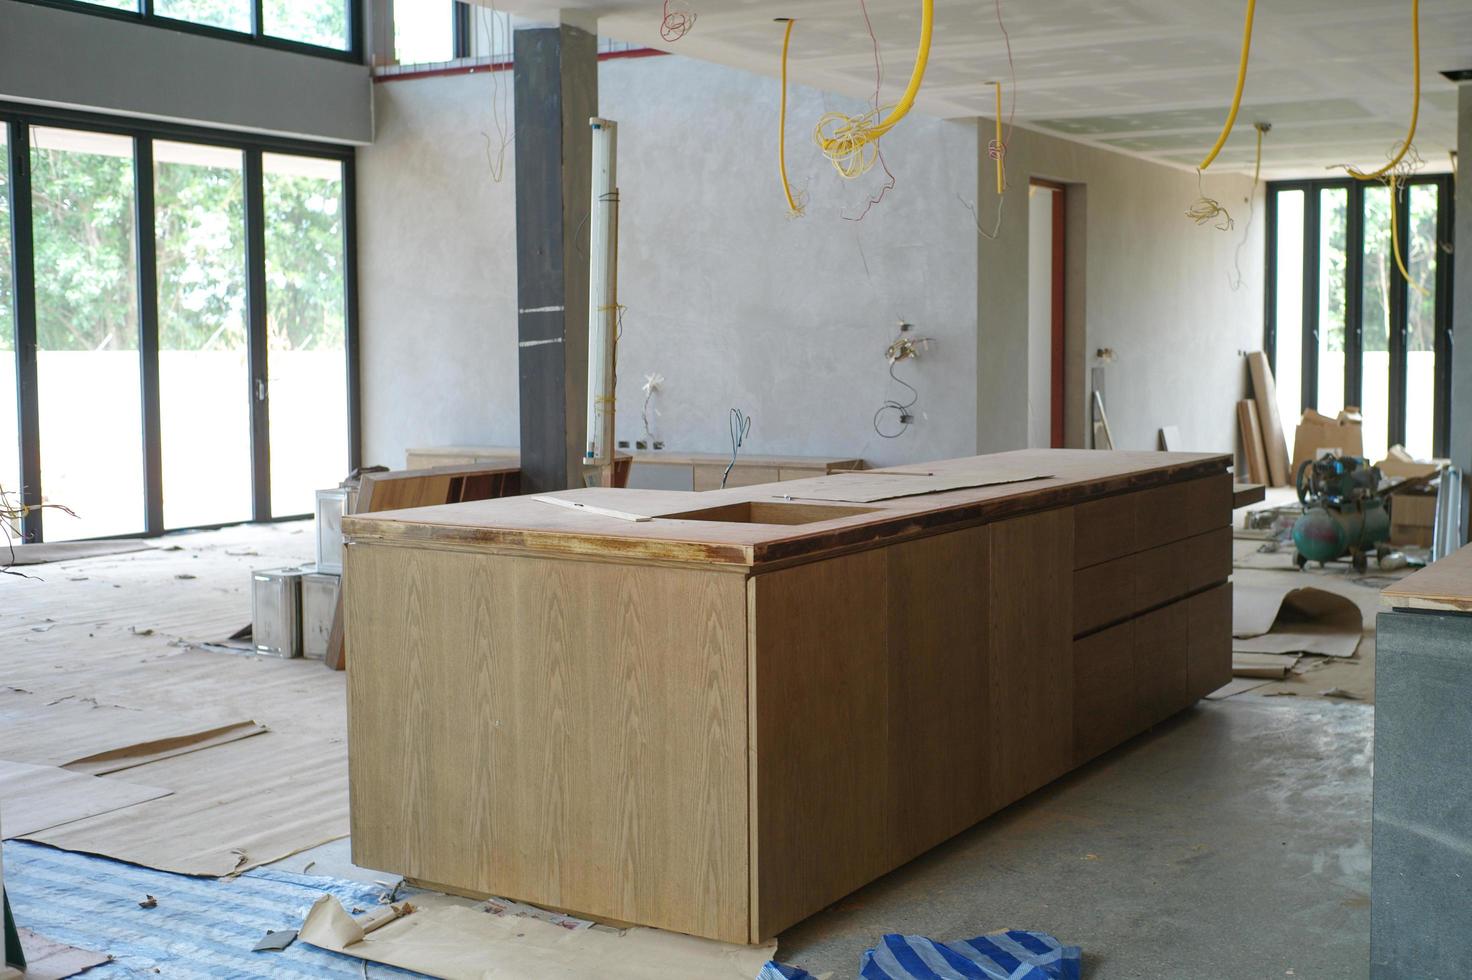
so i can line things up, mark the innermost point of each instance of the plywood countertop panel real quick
(767, 534)
(1444, 585)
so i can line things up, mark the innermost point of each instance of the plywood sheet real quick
(1254, 453)
(33, 798)
(867, 486)
(1265, 392)
(1445, 584)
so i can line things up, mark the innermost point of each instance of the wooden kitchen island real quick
(721, 720)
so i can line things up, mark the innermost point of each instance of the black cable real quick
(740, 426)
(902, 409)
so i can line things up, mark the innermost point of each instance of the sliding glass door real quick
(176, 323)
(1344, 325)
(84, 246)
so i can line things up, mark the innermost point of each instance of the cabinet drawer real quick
(1130, 523)
(1106, 707)
(1162, 642)
(1209, 642)
(1115, 590)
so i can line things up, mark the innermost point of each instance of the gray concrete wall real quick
(1152, 285)
(1461, 432)
(83, 61)
(728, 299)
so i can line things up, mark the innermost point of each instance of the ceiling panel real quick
(1332, 76)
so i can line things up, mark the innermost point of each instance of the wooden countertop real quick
(1445, 585)
(1062, 477)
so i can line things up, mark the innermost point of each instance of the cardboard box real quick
(1412, 518)
(1399, 463)
(1318, 434)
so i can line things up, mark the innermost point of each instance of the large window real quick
(319, 26)
(188, 299)
(1344, 326)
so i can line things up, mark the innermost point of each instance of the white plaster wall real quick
(1156, 290)
(730, 300)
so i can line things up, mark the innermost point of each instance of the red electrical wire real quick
(676, 23)
(879, 152)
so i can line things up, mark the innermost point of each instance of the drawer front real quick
(1106, 708)
(1130, 523)
(1162, 642)
(1209, 649)
(1115, 590)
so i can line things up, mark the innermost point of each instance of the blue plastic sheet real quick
(1012, 955)
(201, 927)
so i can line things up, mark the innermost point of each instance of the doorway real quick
(1046, 217)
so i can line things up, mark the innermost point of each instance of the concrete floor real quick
(1231, 842)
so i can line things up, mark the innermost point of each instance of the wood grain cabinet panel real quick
(1106, 700)
(1208, 503)
(1209, 630)
(566, 733)
(1030, 645)
(1161, 657)
(1103, 529)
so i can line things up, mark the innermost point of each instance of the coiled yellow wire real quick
(850, 142)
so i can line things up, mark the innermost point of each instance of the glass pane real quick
(305, 310)
(204, 378)
(1421, 255)
(87, 332)
(323, 22)
(230, 14)
(9, 428)
(1333, 208)
(1288, 365)
(424, 31)
(115, 5)
(1375, 321)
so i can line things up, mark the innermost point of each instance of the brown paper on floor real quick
(1236, 686)
(89, 735)
(449, 939)
(35, 798)
(50, 960)
(234, 806)
(1272, 666)
(1283, 619)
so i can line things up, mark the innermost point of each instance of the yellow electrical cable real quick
(998, 147)
(850, 142)
(1400, 263)
(1415, 102)
(1241, 83)
(794, 207)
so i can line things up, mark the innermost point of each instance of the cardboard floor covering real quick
(454, 940)
(1283, 618)
(34, 798)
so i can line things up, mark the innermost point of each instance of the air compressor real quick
(1344, 512)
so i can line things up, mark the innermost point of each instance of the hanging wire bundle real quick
(889, 182)
(740, 424)
(12, 511)
(1236, 283)
(851, 143)
(492, 26)
(1208, 210)
(677, 21)
(996, 148)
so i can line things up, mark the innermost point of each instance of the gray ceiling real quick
(1147, 77)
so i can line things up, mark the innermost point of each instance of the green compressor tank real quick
(1343, 512)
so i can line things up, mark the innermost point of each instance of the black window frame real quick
(20, 119)
(1354, 286)
(257, 35)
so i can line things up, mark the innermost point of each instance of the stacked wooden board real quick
(1265, 433)
(722, 719)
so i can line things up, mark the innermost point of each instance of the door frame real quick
(1057, 350)
(20, 118)
(1354, 285)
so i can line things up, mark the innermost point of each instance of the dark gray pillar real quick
(556, 84)
(1461, 428)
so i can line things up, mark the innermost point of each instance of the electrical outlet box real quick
(623, 444)
(641, 444)
(658, 445)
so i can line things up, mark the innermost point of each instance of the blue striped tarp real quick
(201, 927)
(1011, 955)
